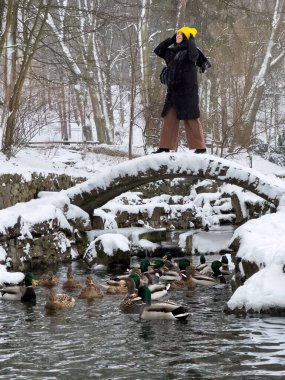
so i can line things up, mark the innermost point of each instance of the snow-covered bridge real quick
(128, 175)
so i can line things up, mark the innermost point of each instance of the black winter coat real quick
(182, 89)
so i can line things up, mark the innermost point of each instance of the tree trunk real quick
(257, 89)
(33, 40)
(182, 4)
(8, 21)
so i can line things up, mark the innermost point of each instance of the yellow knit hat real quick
(187, 31)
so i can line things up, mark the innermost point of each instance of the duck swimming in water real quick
(169, 276)
(159, 310)
(208, 280)
(59, 301)
(22, 293)
(71, 283)
(115, 286)
(140, 302)
(48, 280)
(91, 291)
(132, 303)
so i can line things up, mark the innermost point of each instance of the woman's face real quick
(179, 38)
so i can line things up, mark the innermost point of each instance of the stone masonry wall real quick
(14, 188)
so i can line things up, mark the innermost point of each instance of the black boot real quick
(160, 150)
(200, 151)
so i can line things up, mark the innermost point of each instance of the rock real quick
(271, 311)
(110, 250)
(206, 186)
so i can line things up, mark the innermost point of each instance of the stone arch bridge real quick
(103, 187)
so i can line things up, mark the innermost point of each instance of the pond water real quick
(96, 341)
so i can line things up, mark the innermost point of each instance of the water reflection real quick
(94, 340)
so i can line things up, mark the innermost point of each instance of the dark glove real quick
(173, 39)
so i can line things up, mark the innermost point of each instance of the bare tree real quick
(255, 91)
(33, 29)
(91, 64)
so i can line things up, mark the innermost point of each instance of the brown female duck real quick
(48, 280)
(71, 283)
(91, 291)
(59, 301)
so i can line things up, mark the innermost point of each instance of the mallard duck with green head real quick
(145, 265)
(140, 302)
(164, 310)
(216, 278)
(23, 292)
(183, 263)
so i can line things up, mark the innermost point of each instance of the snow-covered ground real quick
(77, 161)
(262, 240)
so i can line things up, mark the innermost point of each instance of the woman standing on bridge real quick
(182, 100)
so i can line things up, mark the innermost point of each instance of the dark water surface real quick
(95, 341)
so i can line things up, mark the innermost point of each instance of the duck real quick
(157, 290)
(225, 269)
(202, 265)
(168, 261)
(186, 281)
(24, 293)
(164, 310)
(115, 287)
(132, 303)
(160, 310)
(183, 263)
(158, 264)
(210, 277)
(148, 277)
(170, 276)
(91, 290)
(140, 303)
(217, 276)
(178, 284)
(48, 280)
(59, 301)
(71, 283)
(145, 265)
(175, 279)
(210, 270)
(201, 279)
(190, 283)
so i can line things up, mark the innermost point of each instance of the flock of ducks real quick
(140, 287)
